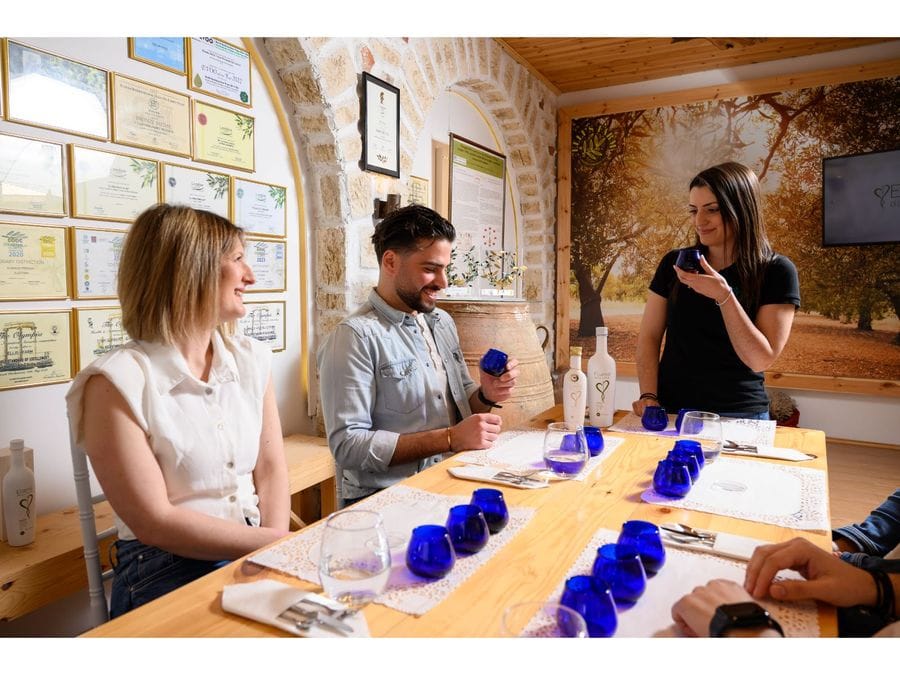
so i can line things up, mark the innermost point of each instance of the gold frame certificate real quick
(95, 260)
(223, 137)
(32, 177)
(111, 186)
(33, 262)
(259, 208)
(197, 188)
(97, 330)
(220, 69)
(264, 321)
(151, 117)
(37, 348)
(266, 259)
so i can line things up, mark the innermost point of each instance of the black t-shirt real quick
(699, 368)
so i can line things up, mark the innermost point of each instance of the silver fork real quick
(731, 445)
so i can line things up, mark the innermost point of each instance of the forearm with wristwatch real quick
(743, 619)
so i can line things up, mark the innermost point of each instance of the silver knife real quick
(322, 618)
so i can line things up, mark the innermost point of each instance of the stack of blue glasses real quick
(433, 549)
(677, 473)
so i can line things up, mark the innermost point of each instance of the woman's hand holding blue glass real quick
(710, 284)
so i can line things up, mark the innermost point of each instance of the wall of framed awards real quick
(92, 132)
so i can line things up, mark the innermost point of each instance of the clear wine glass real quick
(355, 559)
(706, 429)
(542, 619)
(565, 449)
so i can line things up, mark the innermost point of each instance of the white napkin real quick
(488, 474)
(265, 599)
(726, 545)
(772, 452)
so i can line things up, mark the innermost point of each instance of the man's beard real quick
(415, 299)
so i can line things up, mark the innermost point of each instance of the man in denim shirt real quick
(396, 393)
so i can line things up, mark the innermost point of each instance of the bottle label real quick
(26, 499)
(601, 386)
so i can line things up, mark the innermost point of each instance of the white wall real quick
(37, 414)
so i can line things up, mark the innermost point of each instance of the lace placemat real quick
(777, 494)
(524, 451)
(403, 508)
(683, 570)
(754, 432)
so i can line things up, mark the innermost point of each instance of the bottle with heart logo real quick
(601, 383)
(18, 497)
(574, 391)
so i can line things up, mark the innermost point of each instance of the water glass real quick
(621, 568)
(689, 260)
(672, 479)
(494, 362)
(693, 447)
(355, 559)
(686, 457)
(593, 600)
(679, 418)
(706, 429)
(644, 536)
(543, 619)
(594, 440)
(655, 418)
(430, 552)
(494, 507)
(565, 449)
(468, 529)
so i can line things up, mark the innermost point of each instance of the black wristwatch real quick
(741, 615)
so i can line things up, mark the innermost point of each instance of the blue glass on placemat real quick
(494, 507)
(594, 602)
(468, 529)
(430, 552)
(621, 567)
(689, 459)
(565, 449)
(494, 362)
(671, 479)
(655, 418)
(680, 417)
(644, 536)
(594, 440)
(693, 447)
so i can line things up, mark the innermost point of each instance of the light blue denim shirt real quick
(377, 381)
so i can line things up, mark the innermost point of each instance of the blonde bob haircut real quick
(169, 272)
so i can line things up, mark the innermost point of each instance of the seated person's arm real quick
(877, 535)
(270, 473)
(693, 613)
(133, 483)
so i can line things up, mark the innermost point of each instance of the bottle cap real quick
(575, 351)
(602, 330)
(17, 444)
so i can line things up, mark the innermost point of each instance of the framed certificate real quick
(163, 52)
(220, 69)
(418, 191)
(381, 126)
(33, 262)
(32, 177)
(95, 262)
(37, 348)
(223, 137)
(266, 259)
(197, 188)
(110, 185)
(97, 331)
(147, 116)
(264, 321)
(259, 207)
(53, 92)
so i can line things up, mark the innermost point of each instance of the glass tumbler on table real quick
(706, 429)
(355, 559)
(542, 619)
(565, 449)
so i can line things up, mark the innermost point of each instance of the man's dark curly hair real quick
(404, 229)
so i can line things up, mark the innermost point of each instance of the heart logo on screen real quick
(882, 191)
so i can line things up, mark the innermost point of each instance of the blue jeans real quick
(764, 415)
(143, 573)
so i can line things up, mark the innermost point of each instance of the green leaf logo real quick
(244, 97)
(198, 82)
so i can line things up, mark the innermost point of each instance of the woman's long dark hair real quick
(736, 189)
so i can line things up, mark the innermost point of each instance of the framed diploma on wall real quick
(95, 262)
(151, 117)
(418, 192)
(259, 207)
(220, 69)
(46, 90)
(163, 52)
(97, 331)
(110, 185)
(266, 259)
(33, 262)
(381, 126)
(37, 348)
(264, 321)
(32, 177)
(197, 188)
(223, 137)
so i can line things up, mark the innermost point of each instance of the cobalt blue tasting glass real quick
(594, 440)
(430, 553)
(494, 362)
(686, 457)
(693, 447)
(620, 566)
(655, 418)
(671, 479)
(468, 529)
(680, 417)
(494, 507)
(593, 601)
(644, 536)
(689, 260)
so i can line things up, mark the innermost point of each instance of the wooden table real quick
(527, 568)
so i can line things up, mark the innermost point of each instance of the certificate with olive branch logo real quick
(197, 188)
(111, 185)
(259, 208)
(223, 137)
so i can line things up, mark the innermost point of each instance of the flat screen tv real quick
(861, 199)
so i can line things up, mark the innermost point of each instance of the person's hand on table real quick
(476, 432)
(694, 612)
(639, 405)
(499, 389)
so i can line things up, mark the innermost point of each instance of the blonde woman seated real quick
(181, 423)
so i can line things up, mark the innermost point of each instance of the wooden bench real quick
(53, 566)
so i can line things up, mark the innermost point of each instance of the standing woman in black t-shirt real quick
(726, 325)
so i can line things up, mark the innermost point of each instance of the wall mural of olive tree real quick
(630, 174)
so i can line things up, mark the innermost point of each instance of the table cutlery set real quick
(705, 541)
(306, 613)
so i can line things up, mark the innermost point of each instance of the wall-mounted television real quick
(861, 199)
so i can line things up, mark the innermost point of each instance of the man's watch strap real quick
(488, 402)
(741, 615)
